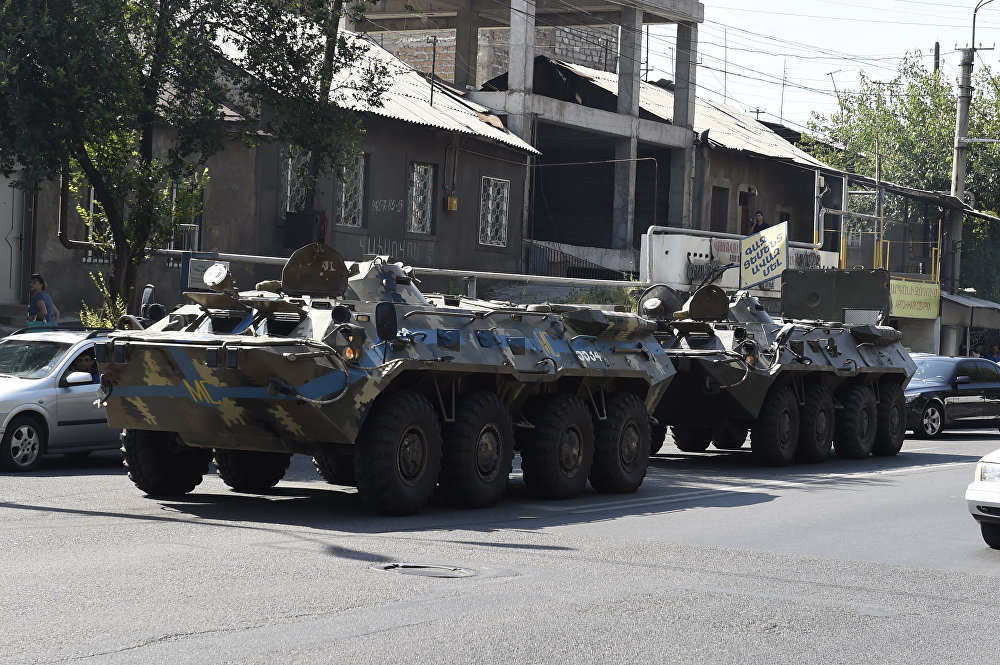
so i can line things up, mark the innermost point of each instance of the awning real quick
(969, 311)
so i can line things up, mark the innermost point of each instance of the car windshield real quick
(934, 370)
(29, 359)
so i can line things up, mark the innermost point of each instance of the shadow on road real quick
(104, 462)
(676, 482)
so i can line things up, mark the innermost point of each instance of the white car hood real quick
(993, 457)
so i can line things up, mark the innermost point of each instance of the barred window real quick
(421, 198)
(96, 225)
(294, 189)
(352, 193)
(494, 211)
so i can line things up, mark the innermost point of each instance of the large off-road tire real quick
(478, 451)
(23, 443)
(399, 453)
(621, 445)
(816, 422)
(336, 468)
(560, 449)
(775, 434)
(890, 429)
(691, 439)
(658, 436)
(160, 464)
(991, 535)
(251, 470)
(931, 422)
(730, 437)
(854, 435)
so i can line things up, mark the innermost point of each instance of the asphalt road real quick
(714, 560)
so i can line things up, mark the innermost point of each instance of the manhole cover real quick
(426, 570)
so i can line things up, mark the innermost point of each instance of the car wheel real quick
(931, 422)
(23, 444)
(991, 535)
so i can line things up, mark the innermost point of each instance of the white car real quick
(983, 498)
(46, 402)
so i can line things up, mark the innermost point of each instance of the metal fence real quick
(551, 262)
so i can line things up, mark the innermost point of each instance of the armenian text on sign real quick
(763, 255)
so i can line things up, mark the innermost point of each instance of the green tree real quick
(909, 122)
(132, 97)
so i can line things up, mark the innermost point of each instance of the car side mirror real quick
(78, 378)
(386, 323)
(963, 379)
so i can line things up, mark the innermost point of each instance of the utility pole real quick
(784, 75)
(835, 91)
(725, 65)
(961, 157)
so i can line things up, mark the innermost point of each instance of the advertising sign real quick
(915, 300)
(764, 255)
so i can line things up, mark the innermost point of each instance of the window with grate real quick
(352, 193)
(95, 228)
(494, 211)
(294, 188)
(187, 235)
(419, 215)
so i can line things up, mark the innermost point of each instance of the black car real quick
(948, 391)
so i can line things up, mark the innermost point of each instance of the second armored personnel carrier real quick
(820, 379)
(385, 388)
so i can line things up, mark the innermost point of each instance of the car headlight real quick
(988, 472)
(910, 398)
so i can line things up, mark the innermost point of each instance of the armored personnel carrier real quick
(385, 388)
(800, 386)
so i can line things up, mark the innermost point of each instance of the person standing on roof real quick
(41, 307)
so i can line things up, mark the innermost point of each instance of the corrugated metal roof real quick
(409, 99)
(727, 127)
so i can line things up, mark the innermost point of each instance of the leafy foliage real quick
(107, 315)
(132, 97)
(909, 122)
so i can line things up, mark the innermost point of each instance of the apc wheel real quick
(658, 435)
(560, 450)
(775, 434)
(160, 464)
(931, 422)
(890, 427)
(336, 468)
(23, 443)
(251, 470)
(399, 454)
(816, 420)
(730, 437)
(621, 445)
(691, 439)
(854, 436)
(478, 453)
(991, 535)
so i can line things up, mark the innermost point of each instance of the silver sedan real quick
(48, 386)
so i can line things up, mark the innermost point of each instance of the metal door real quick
(11, 232)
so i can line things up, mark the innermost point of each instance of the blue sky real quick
(747, 49)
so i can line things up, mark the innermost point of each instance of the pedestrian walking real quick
(994, 354)
(41, 309)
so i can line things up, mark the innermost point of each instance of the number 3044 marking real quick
(590, 356)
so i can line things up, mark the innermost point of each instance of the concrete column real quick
(521, 71)
(466, 46)
(682, 160)
(626, 149)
